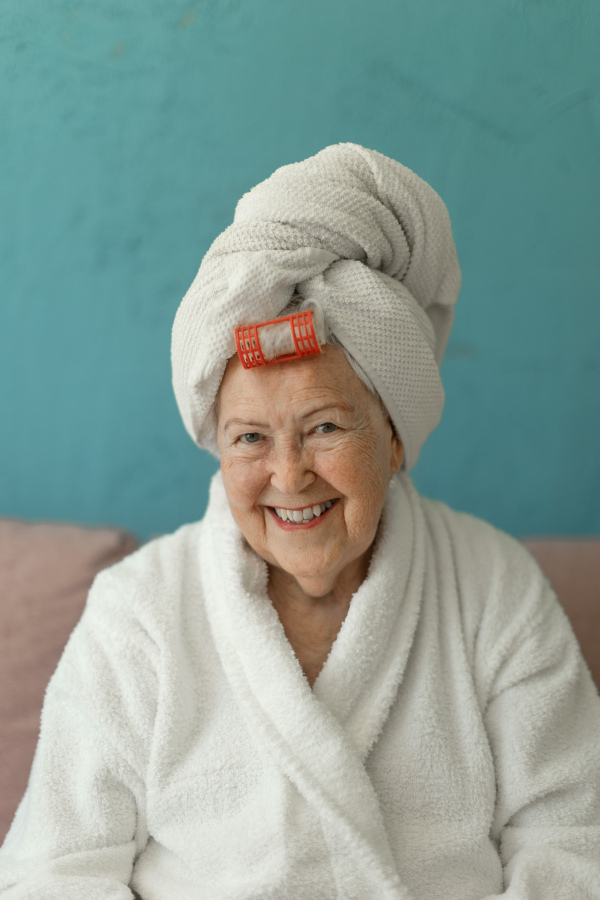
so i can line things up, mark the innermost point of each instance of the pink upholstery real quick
(46, 570)
(573, 569)
(45, 574)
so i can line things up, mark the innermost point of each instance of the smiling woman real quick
(326, 442)
(307, 490)
(329, 687)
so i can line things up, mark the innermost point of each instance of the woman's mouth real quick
(301, 518)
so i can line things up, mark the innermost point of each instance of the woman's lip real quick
(296, 526)
(308, 505)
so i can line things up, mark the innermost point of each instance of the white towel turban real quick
(360, 237)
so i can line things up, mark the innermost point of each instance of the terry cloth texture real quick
(355, 234)
(449, 749)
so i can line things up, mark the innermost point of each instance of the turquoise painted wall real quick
(129, 128)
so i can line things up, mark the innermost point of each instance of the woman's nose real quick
(291, 472)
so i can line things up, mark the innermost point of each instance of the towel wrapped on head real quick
(365, 243)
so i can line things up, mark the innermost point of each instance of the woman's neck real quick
(311, 624)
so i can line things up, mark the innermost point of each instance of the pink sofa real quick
(46, 570)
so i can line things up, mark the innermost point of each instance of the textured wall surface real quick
(129, 128)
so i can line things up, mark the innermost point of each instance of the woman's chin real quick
(318, 568)
(316, 580)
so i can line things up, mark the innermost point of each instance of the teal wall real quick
(129, 128)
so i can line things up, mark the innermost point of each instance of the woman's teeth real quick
(298, 516)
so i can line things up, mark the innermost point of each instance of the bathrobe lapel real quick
(320, 738)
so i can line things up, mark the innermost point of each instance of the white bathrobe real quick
(449, 750)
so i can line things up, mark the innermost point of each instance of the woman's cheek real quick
(363, 483)
(242, 480)
(355, 469)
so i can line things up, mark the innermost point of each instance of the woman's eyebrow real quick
(245, 423)
(334, 405)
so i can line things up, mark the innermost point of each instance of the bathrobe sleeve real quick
(542, 714)
(81, 822)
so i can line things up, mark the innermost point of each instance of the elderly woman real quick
(329, 687)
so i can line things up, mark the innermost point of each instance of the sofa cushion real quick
(46, 570)
(573, 568)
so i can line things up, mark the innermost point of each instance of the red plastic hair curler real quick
(278, 340)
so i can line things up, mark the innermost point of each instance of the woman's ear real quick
(396, 452)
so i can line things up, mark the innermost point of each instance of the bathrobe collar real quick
(320, 737)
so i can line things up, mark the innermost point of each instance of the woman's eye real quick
(252, 437)
(326, 428)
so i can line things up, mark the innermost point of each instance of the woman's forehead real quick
(327, 378)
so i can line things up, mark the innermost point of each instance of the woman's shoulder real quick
(477, 541)
(508, 608)
(495, 573)
(148, 587)
(161, 560)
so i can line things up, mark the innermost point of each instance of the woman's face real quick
(307, 453)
